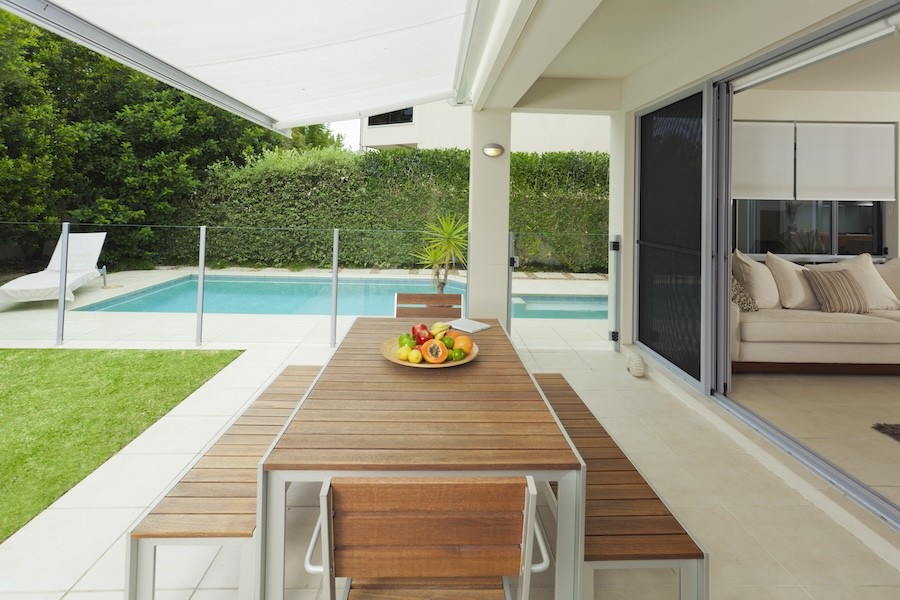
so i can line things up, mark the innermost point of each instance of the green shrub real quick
(281, 208)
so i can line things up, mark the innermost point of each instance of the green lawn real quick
(64, 412)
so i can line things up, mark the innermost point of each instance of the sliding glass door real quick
(670, 233)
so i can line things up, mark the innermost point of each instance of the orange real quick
(454, 333)
(464, 343)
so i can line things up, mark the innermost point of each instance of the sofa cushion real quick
(793, 289)
(892, 315)
(779, 325)
(878, 294)
(757, 280)
(741, 298)
(837, 291)
(890, 272)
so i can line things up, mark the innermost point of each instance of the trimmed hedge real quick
(280, 209)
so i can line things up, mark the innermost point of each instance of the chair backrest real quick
(84, 251)
(435, 306)
(433, 527)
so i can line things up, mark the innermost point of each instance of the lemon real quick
(415, 356)
(403, 352)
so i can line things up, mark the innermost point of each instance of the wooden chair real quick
(435, 537)
(434, 306)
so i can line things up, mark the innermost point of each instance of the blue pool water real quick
(534, 306)
(225, 294)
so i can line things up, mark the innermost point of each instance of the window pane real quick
(783, 226)
(859, 228)
(404, 115)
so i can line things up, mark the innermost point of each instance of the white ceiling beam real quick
(49, 16)
(567, 95)
(549, 27)
(489, 47)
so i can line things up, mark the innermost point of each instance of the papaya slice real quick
(434, 351)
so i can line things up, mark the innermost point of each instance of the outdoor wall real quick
(440, 125)
(778, 105)
(743, 31)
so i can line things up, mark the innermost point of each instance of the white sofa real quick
(791, 332)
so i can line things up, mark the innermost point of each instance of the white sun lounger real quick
(84, 250)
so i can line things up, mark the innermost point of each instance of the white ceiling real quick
(622, 36)
(874, 67)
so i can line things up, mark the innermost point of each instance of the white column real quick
(488, 261)
(621, 212)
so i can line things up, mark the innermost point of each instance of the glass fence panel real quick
(377, 264)
(560, 293)
(275, 284)
(29, 290)
(142, 298)
(267, 285)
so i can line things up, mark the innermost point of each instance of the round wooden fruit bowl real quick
(390, 347)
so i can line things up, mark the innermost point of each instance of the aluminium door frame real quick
(708, 327)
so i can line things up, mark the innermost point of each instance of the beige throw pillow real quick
(879, 295)
(890, 272)
(837, 291)
(757, 280)
(793, 289)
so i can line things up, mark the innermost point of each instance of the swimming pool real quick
(535, 306)
(226, 294)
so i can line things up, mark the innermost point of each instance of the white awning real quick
(280, 63)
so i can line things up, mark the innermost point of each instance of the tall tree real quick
(35, 140)
(85, 138)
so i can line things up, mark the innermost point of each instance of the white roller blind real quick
(762, 160)
(846, 161)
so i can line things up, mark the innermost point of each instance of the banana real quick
(439, 330)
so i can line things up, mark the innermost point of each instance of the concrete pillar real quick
(488, 262)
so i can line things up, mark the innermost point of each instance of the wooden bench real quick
(214, 502)
(627, 525)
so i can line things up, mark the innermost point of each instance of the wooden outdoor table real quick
(368, 416)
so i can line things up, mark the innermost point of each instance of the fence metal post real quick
(614, 313)
(201, 274)
(510, 253)
(335, 246)
(63, 271)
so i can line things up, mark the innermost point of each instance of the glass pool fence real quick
(201, 278)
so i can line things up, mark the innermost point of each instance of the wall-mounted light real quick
(492, 150)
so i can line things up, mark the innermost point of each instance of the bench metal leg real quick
(141, 565)
(247, 577)
(694, 580)
(693, 575)
(273, 520)
(587, 582)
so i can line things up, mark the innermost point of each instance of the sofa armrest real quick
(735, 332)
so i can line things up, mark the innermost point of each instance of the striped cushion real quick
(837, 291)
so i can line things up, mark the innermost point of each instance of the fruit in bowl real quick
(434, 345)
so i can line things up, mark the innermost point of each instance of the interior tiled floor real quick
(773, 531)
(833, 415)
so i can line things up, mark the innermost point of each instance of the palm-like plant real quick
(445, 244)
